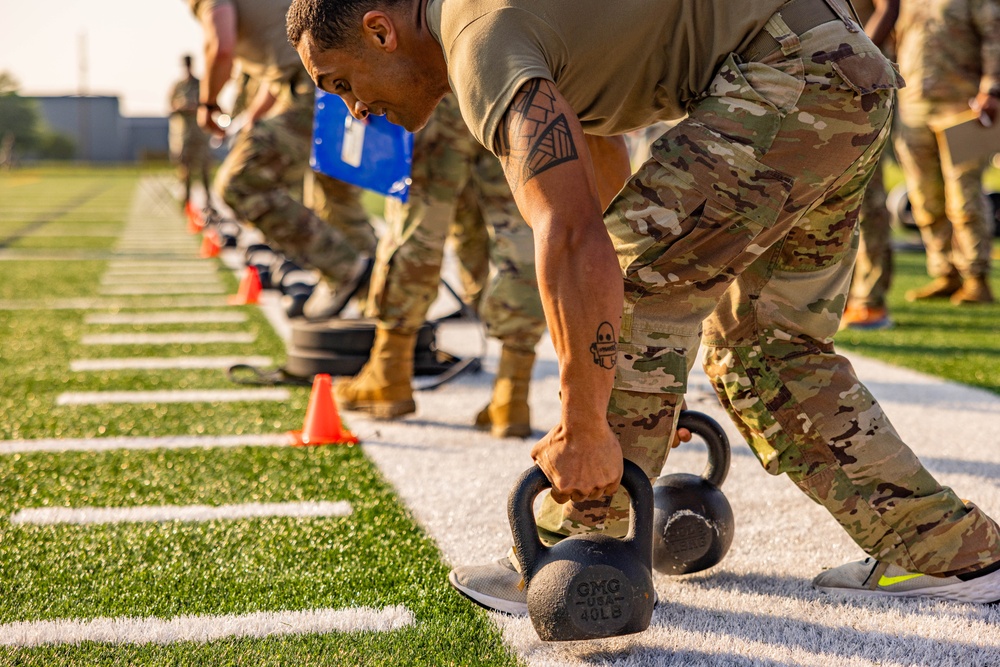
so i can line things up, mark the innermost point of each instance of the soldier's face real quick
(371, 81)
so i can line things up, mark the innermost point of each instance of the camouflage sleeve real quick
(986, 15)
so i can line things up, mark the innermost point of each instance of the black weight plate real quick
(428, 362)
(994, 198)
(307, 363)
(347, 336)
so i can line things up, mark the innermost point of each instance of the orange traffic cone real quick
(250, 288)
(322, 426)
(195, 221)
(210, 244)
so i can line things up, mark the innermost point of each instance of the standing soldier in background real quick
(949, 54)
(271, 153)
(189, 148)
(866, 301)
(452, 173)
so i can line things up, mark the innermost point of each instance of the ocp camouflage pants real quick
(743, 225)
(453, 174)
(873, 269)
(257, 179)
(947, 199)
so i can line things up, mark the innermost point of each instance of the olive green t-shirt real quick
(262, 48)
(620, 64)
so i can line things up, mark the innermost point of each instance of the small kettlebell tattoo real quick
(605, 348)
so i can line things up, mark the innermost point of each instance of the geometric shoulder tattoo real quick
(532, 137)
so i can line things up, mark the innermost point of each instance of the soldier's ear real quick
(380, 31)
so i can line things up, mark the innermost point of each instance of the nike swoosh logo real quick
(889, 581)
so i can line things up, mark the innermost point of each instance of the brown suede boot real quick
(507, 415)
(939, 288)
(383, 387)
(973, 290)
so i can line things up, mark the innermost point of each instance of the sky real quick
(133, 48)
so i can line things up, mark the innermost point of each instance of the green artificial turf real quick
(375, 557)
(957, 343)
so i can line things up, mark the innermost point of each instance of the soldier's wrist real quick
(211, 106)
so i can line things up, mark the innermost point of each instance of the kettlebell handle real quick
(520, 513)
(719, 452)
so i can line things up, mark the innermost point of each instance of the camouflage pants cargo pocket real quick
(685, 226)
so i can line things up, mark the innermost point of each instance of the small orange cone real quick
(322, 426)
(195, 221)
(250, 288)
(210, 244)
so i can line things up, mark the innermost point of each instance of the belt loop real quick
(853, 23)
(789, 41)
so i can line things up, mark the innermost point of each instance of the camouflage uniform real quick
(267, 162)
(736, 227)
(469, 237)
(452, 172)
(949, 50)
(270, 158)
(189, 147)
(873, 269)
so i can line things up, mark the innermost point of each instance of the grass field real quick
(375, 558)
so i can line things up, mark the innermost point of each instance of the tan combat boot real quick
(973, 290)
(383, 387)
(939, 288)
(507, 415)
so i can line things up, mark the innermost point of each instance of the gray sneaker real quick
(871, 577)
(497, 586)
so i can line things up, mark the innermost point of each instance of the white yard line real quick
(145, 264)
(162, 363)
(45, 516)
(97, 303)
(177, 338)
(142, 443)
(126, 630)
(168, 317)
(132, 289)
(147, 278)
(173, 396)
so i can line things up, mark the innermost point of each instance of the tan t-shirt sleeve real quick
(490, 60)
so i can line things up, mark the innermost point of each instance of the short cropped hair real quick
(330, 23)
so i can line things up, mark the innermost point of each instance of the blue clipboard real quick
(373, 154)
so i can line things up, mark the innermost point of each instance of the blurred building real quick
(101, 133)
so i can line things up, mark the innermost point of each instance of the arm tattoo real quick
(532, 137)
(605, 348)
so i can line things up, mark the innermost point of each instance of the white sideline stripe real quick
(193, 337)
(168, 317)
(163, 363)
(141, 290)
(89, 303)
(47, 516)
(127, 630)
(161, 442)
(138, 265)
(147, 278)
(171, 396)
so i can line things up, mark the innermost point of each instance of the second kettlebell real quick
(692, 519)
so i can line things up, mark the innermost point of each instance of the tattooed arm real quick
(547, 162)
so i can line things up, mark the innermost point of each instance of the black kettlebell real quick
(692, 520)
(586, 586)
